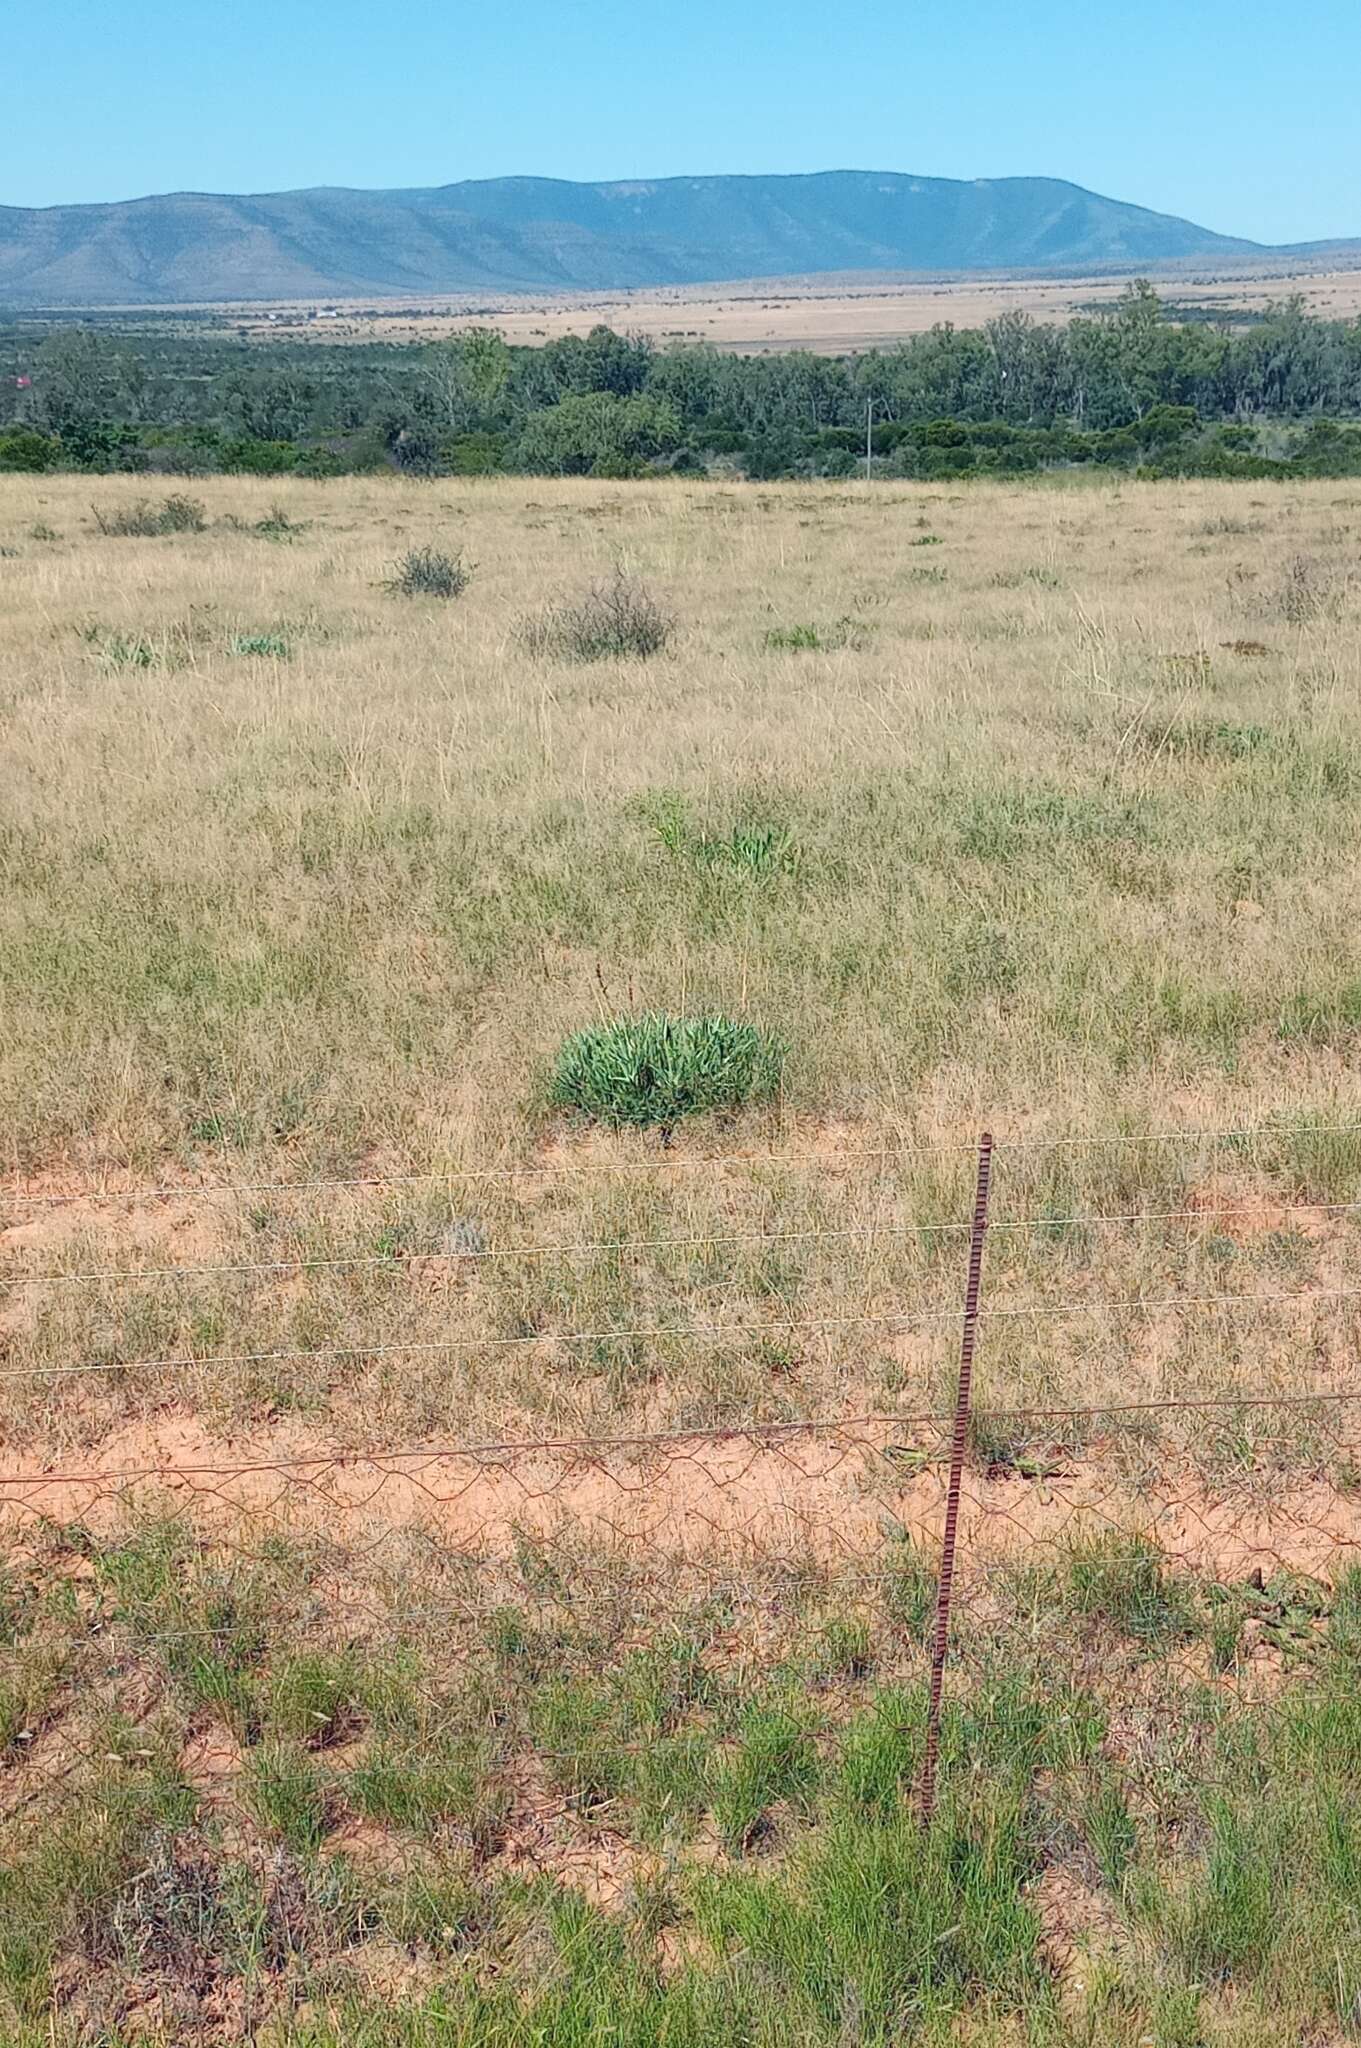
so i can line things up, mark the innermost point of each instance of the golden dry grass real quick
(826, 314)
(1066, 805)
(1056, 789)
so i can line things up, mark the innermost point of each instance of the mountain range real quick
(545, 234)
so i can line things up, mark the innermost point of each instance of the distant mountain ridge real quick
(545, 234)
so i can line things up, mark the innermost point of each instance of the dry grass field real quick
(1031, 808)
(828, 314)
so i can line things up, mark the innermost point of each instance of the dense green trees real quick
(1131, 385)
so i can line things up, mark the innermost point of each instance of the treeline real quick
(1130, 388)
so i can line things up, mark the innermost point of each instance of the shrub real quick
(22, 449)
(145, 520)
(277, 525)
(268, 646)
(844, 632)
(611, 622)
(1305, 591)
(656, 1069)
(429, 572)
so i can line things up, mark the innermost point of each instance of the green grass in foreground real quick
(519, 1823)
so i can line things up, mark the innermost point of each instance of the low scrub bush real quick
(266, 646)
(22, 449)
(844, 632)
(612, 622)
(656, 1069)
(430, 572)
(144, 519)
(276, 525)
(1307, 590)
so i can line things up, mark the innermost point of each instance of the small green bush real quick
(22, 449)
(656, 1069)
(612, 622)
(429, 572)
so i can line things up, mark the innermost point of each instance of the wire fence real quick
(214, 1626)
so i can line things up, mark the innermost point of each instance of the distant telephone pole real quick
(869, 444)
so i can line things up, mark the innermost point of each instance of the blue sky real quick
(1238, 114)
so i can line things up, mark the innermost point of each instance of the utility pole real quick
(869, 444)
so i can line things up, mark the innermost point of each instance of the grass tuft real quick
(264, 646)
(657, 1069)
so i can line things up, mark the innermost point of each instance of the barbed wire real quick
(675, 1162)
(1025, 1508)
(500, 1450)
(397, 1261)
(769, 1326)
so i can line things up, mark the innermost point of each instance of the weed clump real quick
(656, 1069)
(145, 520)
(267, 646)
(276, 525)
(430, 572)
(169, 647)
(1306, 591)
(1123, 1582)
(612, 622)
(843, 632)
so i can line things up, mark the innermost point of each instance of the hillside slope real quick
(544, 234)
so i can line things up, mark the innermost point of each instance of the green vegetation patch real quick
(657, 1069)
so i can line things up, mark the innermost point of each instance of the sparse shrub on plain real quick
(843, 632)
(614, 621)
(145, 520)
(276, 525)
(1306, 591)
(266, 646)
(430, 572)
(657, 1069)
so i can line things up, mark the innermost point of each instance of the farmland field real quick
(353, 1688)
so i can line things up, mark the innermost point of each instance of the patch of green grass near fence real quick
(546, 1832)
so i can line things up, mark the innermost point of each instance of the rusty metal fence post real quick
(958, 1445)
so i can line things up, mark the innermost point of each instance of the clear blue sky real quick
(1239, 114)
